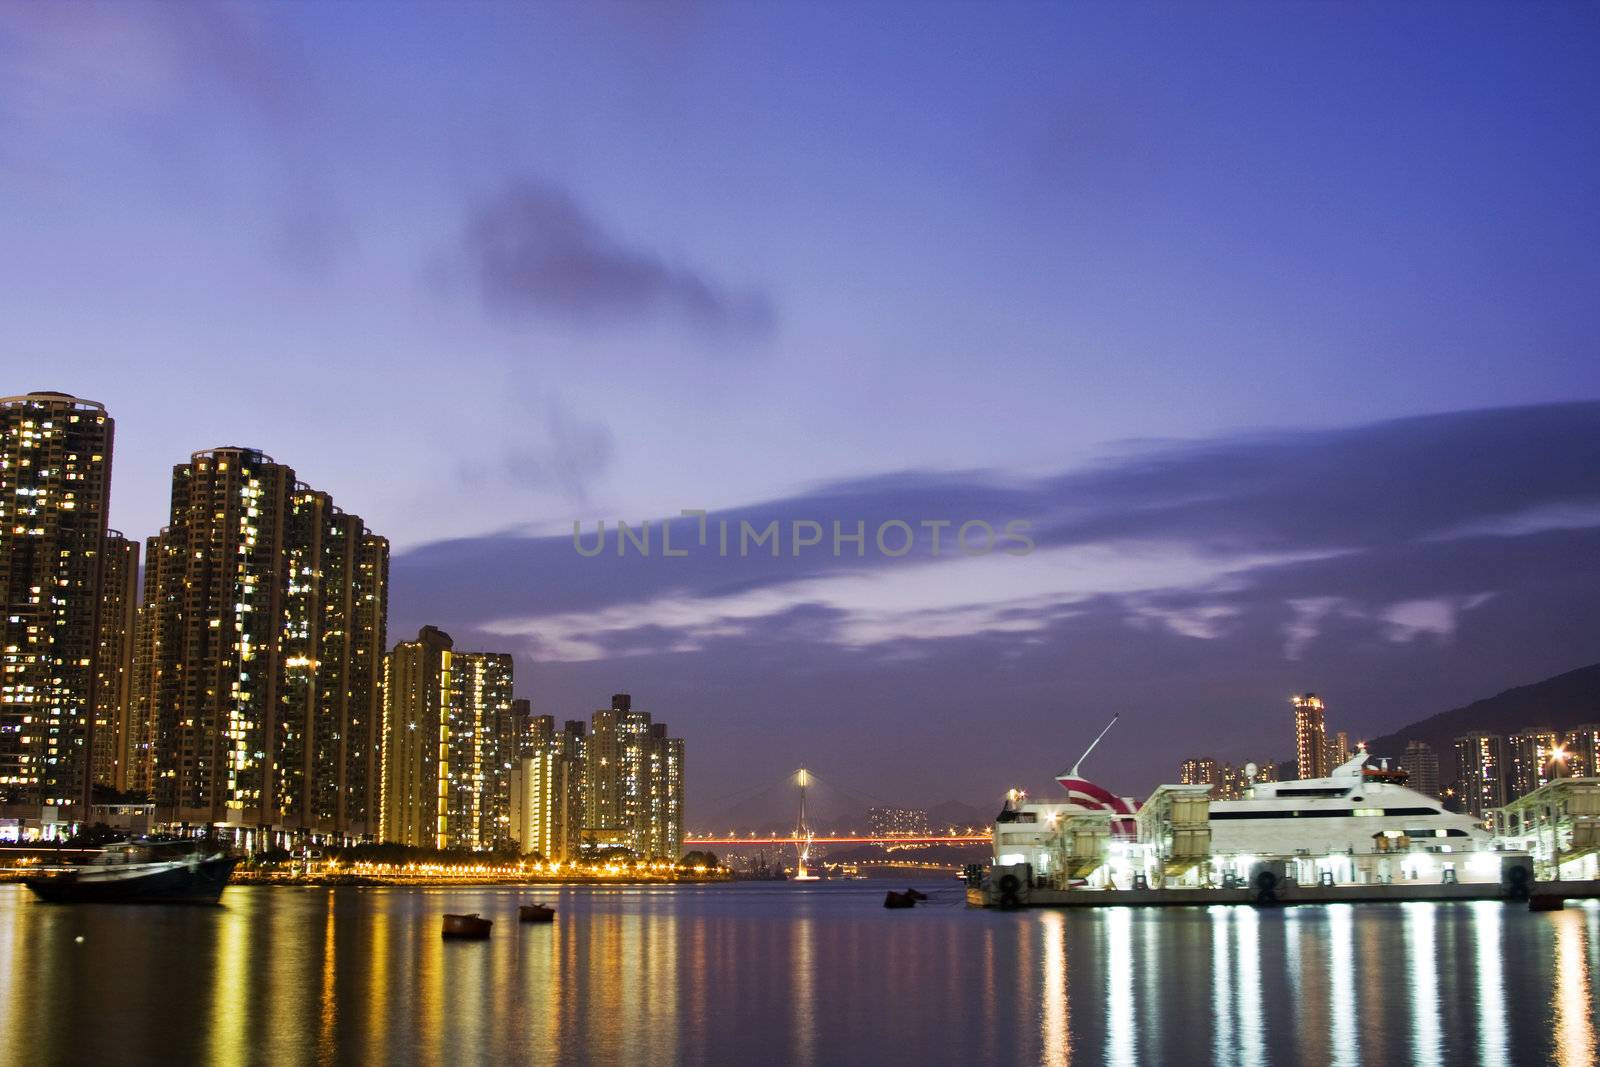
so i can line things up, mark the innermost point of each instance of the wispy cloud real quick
(1190, 583)
(531, 249)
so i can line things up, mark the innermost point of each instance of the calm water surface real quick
(782, 974)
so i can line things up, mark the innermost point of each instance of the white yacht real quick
(1357, 809)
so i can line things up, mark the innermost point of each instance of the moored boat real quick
(469, 927)
(536, 913)
(140, 872)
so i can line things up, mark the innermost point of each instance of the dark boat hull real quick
(199, 883)
(471, 927)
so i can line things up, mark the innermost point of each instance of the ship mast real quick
(1073, 773)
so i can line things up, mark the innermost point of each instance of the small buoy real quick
(79, 939)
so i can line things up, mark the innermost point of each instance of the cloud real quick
(552, 448)
(1189, 584)
(532, 250)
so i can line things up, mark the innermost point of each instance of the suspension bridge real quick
(804, 835)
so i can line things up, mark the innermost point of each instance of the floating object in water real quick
(472, 927)
(536, 913)
(892, 899)
(140, 872)
(915, 894)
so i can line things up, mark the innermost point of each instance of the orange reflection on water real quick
(229, 1007)
(1574, 1001)
(1055, 1017)
(329, 1006)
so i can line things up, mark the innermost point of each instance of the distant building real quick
(887, 821)
(1233, 780)
(666, 794)
(1582, 744)
(1311, 737)
(633, 782)
(55, 492)
(1531, 761)
(450, 744)
(1421, 763)
(1480, 772)
(481, 750)
(1198, 770)
(113, 659)
(1339, 751)
(546, 791)
(416, 708)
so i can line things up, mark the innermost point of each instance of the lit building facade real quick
(449, 745)
(265, 616)
(1234, 779)
(1198, 770)
(1338, 749)
(546, 791)
(55, 488)
(113, 660)
(1533, 759)
(1582, 744)
(481, 751)
(1311, 737)
(1481, 772)
(416, 706)
(634, 782)
(665, 832)
(883, 822)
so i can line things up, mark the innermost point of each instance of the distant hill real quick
(1558, 703)
(955, 813)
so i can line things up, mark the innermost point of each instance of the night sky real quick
(1278, 323)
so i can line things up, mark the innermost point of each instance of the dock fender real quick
(1517, 880)
(1010, 886)
(1266, 888)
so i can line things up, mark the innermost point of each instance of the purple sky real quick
(1278, 322)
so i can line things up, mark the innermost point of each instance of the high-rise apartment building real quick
(481, 750)
(416, 708)
(55, 488)
(1339, 751)
(546, 791)
(1198, 771)
(634, 787)
(1421, 764)
(1480, 772)
(664, 837)
(1311, 737)
(1533, 759)
(265, 623)
(113, 660)
(139, 744)
(1581, 746)
(1234, 779)
(449, 745)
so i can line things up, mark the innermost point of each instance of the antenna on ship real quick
(1073, 773)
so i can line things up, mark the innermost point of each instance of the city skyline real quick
(696, 531)
(119, 670)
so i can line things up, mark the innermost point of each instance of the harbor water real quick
(788, 974)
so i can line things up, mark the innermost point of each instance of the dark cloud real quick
(532, 249)
(1399, 568)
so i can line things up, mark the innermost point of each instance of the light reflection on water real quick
(777, 974)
